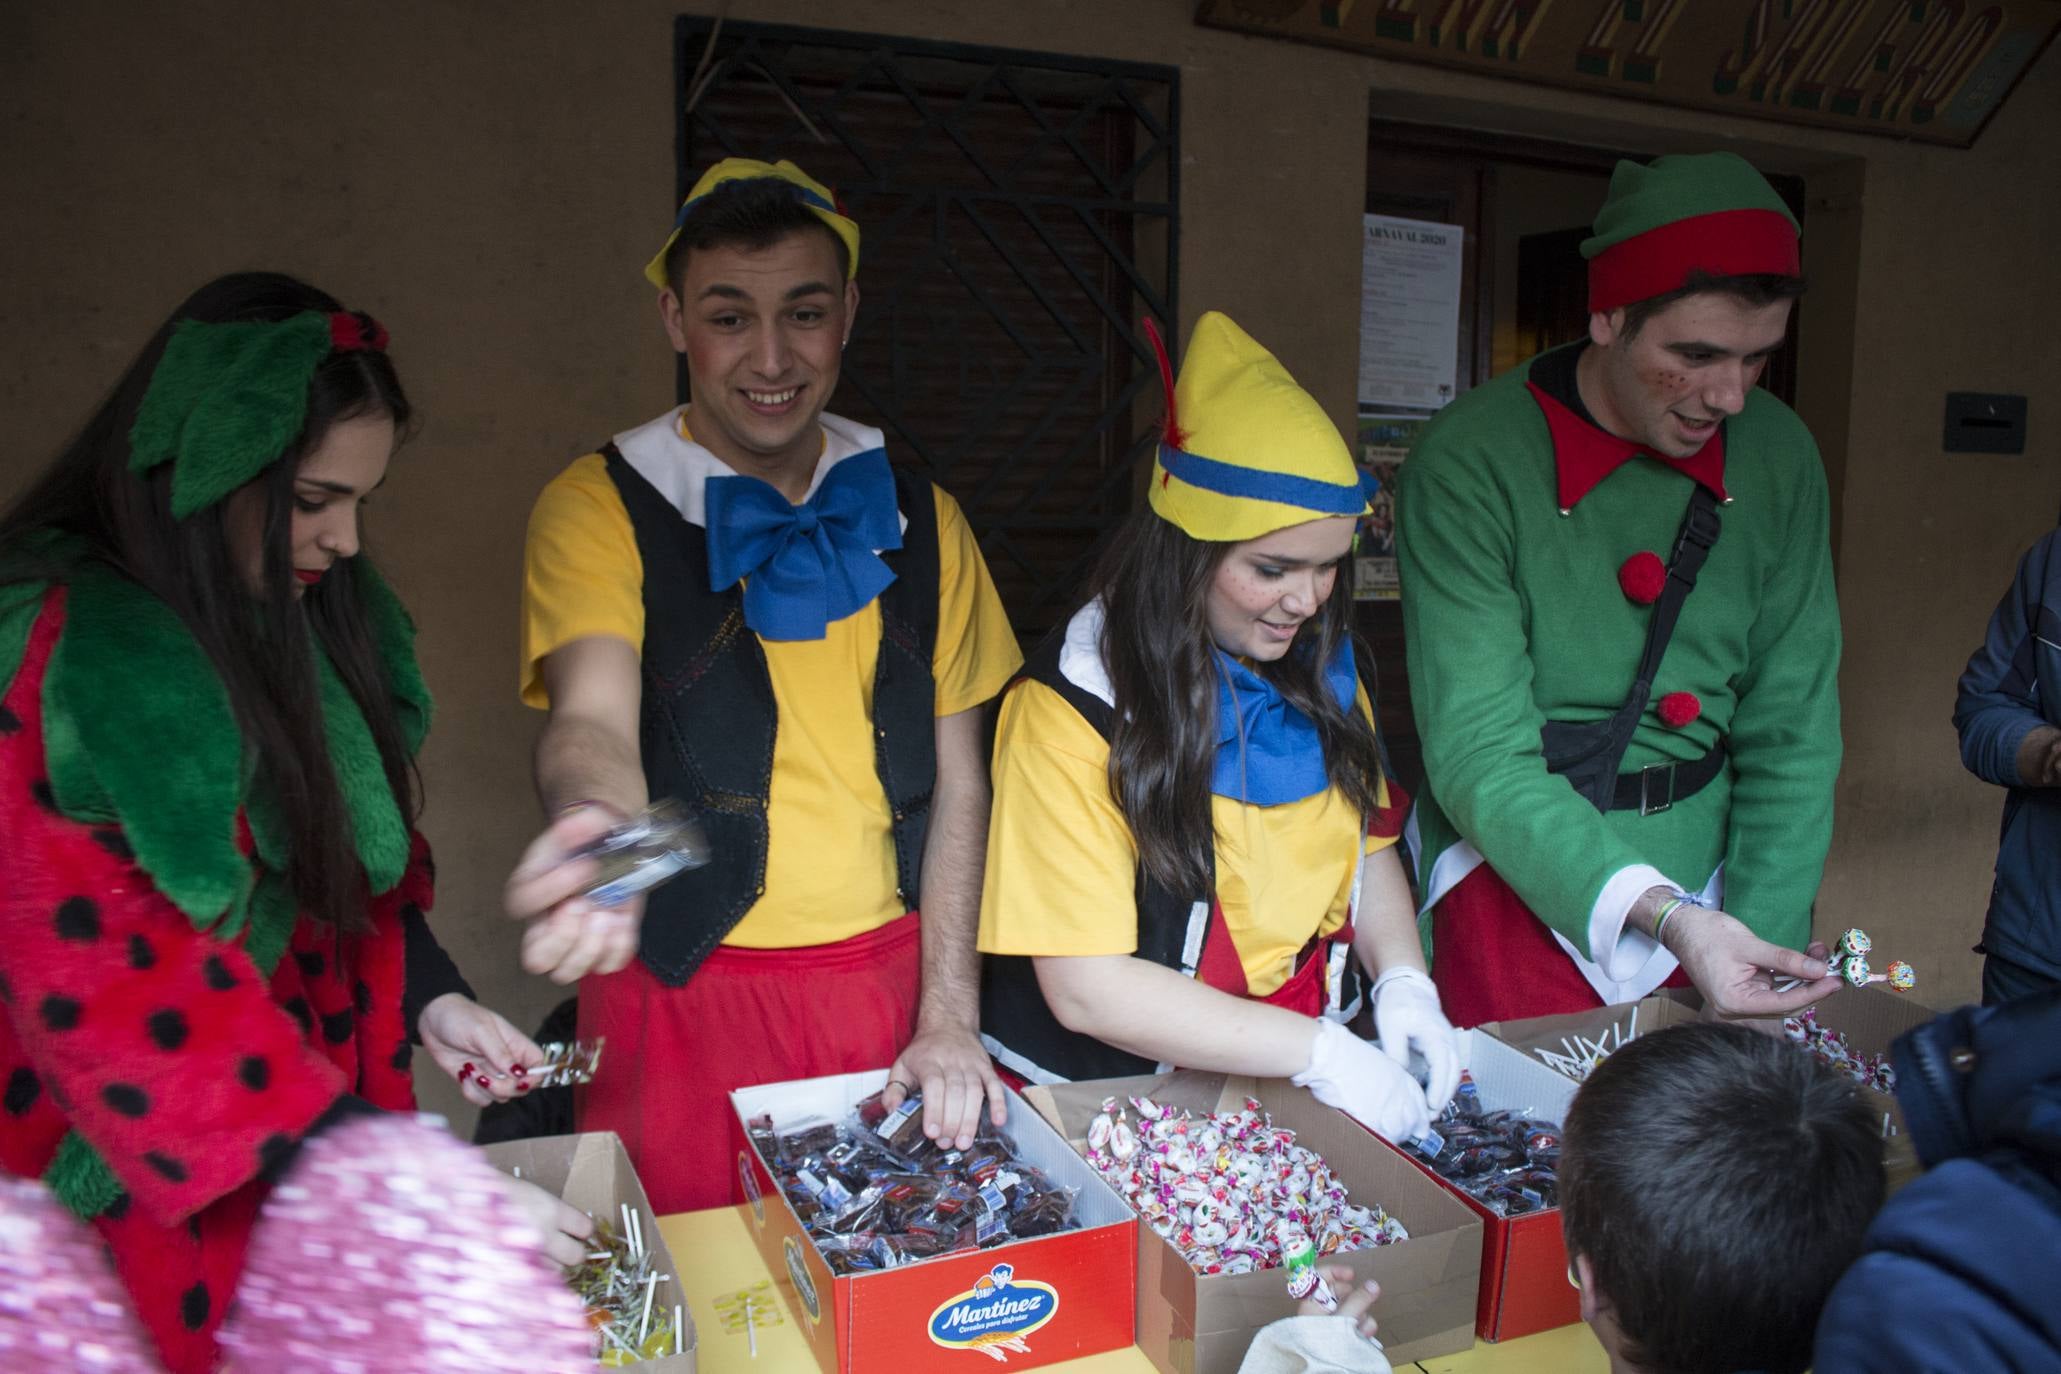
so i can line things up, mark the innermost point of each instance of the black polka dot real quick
(299, 1007)
(404, 1054)
(311, 961)
(255, 1072)
(167, 1028)
(126, 1098)
(23, 1088)
(45, 798)
(115, 843)
(6, 989)
(273, 1154)
(172, 1170)
(217, 974)
(141, 954)
(337, 1026)
(61, 1013)
(117, 1209)
(193, 1226)
(9, 721)
(78, 918)
(193, 1307)
(361, 997)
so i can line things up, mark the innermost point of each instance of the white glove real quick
(1348, 1073)
(1406, 1014)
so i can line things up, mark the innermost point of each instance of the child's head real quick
(1714, 1184)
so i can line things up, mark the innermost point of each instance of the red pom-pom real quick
(1679, 708)
(1642, 577)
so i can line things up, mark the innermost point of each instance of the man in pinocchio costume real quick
(188, 994)
(1623, 637)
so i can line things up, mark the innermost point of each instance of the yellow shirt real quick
(830, 870)
(1062, 865)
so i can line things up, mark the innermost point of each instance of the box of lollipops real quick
(1246, 1191)
(627, 1280)
(897, 1254)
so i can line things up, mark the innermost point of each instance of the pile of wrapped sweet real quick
(1832, 1048)
(1225, 1188)
(1506, 1160)
(875, 1193)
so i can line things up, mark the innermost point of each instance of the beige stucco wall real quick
(488, 179)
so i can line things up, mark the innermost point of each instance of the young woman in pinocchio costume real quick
(1192, 831)
(212, 943)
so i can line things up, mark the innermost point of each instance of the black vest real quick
(1017, 1025)
(708, 719)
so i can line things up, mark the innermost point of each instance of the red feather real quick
(1171, 432)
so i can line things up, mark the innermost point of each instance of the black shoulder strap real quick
(1588, 754)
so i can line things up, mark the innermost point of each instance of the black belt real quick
(1653, 790)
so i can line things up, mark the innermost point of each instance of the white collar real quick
(1080, 654)
(679, 468)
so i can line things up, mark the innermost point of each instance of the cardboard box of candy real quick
(1202, 1323)
(895, 1256)
(1524, 1286)
(1851, 1031)
(1867, 1022)
(593, 1173)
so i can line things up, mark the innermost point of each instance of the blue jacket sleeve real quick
(1998, 706)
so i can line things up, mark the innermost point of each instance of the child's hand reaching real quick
(1357, 1306)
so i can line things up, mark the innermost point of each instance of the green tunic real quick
(1514, 616)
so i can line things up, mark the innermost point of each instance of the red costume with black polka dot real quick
(190, 1073)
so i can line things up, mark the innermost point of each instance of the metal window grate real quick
(1018, 218)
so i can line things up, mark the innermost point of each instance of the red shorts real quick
(1493, 960)
(747, 1016)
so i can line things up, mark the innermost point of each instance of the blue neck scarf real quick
(1283, 757)
(807, 565)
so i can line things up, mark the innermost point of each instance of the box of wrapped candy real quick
(628, 1281)
(1852, 1031)
(896, 1255)
(1219, 1167)
(1498, 1149)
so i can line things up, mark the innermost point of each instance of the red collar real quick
(1584, 455)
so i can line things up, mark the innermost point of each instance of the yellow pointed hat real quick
(1245, 451)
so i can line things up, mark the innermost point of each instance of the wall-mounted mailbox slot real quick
(1977, 422)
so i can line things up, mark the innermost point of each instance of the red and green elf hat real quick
(1683, 214)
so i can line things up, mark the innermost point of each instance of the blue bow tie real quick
(1283, 757)
(804, 566)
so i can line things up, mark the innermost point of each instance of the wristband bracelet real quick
(1667, 909)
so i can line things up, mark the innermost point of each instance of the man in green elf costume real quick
(1623, 638)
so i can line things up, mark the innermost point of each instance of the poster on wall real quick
(1409, 312)
(1381, 445)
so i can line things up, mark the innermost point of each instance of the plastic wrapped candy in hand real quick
(1849, 961)
(568, 1063)
(1219, 1187)
(649, 848)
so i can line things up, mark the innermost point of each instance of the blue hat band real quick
(801, 193)
(1254, 484)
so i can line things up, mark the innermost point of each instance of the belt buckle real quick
(1647, 806)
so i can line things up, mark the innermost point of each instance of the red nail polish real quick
(521, 1071)
(522, 1087)
(467, 1068)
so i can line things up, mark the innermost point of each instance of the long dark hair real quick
(1153, 581)
(257, 641)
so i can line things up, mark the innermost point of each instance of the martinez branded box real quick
(593, 1173)
(1028, 1303)
(1189, 1323)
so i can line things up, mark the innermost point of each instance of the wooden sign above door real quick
(1934, 70)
